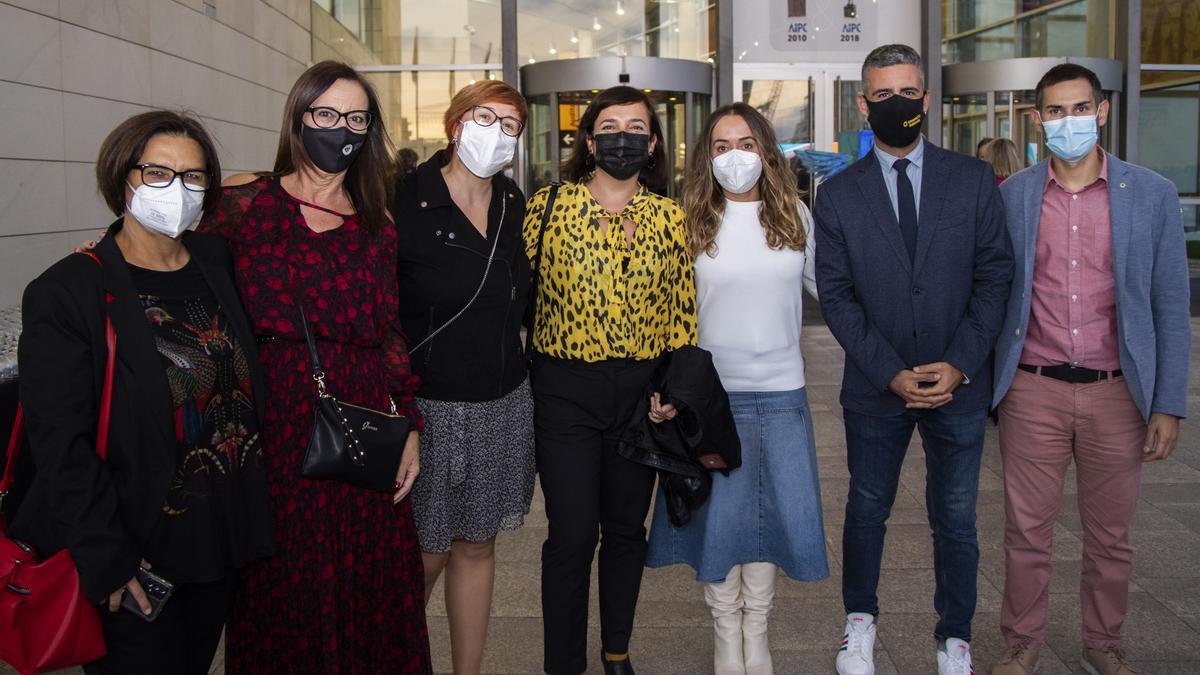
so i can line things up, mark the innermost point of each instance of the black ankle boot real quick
(622, 667)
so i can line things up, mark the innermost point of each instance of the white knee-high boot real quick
(758, 592)
(725, 602)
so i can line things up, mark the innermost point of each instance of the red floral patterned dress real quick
(345, 591)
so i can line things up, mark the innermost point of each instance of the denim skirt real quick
(767, 510)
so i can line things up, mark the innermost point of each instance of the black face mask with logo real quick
(622, 154)
(897, 120)
(331, 150)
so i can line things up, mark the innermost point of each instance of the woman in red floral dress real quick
(345, 592)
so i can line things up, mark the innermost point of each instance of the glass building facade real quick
(975, 31)
(1165, 110)
(419, 53)
(1169, 114)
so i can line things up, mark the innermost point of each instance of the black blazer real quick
(890, 313)
(103, 512)
(683, 448)
(441, 258)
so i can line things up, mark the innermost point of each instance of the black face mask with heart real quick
(331, 150)
(896, 120)
(622, 154)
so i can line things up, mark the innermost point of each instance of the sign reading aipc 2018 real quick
(823, 25)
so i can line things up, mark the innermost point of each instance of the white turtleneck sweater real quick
(750, 301)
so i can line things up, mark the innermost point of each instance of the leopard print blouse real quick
(602, 297)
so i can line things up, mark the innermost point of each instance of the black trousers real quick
(182, 640)
(592, 494)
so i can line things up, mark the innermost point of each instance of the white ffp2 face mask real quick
(485, 150)
(170, 210)
(737, 171)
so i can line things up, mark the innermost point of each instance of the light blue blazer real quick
(1150, 262)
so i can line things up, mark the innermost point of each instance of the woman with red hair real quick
(463, 278)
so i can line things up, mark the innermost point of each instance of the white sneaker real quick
(954, 658)
(857, 653)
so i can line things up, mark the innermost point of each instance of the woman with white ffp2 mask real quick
(464, 278)
(752, 239)
(179, 496)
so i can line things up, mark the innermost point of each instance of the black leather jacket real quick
(441, 259)
(701, 437)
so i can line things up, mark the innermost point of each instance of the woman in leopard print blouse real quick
(615, 292)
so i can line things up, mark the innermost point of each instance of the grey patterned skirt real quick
(477, 466)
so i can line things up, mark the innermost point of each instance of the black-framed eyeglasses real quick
(486, 117)
(328, 118)
(158, 176)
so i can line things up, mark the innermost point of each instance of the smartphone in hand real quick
(157, 589)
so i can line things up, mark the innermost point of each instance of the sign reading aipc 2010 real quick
(823, 25)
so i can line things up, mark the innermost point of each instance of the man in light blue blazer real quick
(1091, 364)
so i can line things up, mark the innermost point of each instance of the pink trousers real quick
(1044, 424)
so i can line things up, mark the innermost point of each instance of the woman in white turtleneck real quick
(752, 237)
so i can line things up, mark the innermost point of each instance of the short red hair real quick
(482, 93)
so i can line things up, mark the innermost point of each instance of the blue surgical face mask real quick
(1071, 138)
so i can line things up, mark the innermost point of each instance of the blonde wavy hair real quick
(704, 200)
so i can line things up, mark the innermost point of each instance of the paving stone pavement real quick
(672, 634)
(672, 629)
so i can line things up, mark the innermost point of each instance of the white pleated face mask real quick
(170, 210)
(485, 150)
(737, 171)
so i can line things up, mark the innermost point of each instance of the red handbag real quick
(46, 623)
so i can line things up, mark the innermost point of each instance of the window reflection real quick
(786, 103)
(413, 105)
(414, 32)
(983, 30)
(1169, 135)
(551, 29)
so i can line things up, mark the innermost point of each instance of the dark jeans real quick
(875, 451)
(592, 494)
(182, 640)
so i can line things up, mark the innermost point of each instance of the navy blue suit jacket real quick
(890, 313)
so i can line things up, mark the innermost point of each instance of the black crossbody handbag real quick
(349, 443)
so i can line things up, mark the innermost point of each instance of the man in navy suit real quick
(914, 267)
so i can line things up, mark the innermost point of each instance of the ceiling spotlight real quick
(574, 37)
(532, 60)
(620, 9)
(595, 23)
(553, 48)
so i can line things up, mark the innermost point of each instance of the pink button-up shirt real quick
(1073, 311)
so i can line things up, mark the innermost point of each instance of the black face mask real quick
(331, 150)
(622, 154)
(896, 120)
